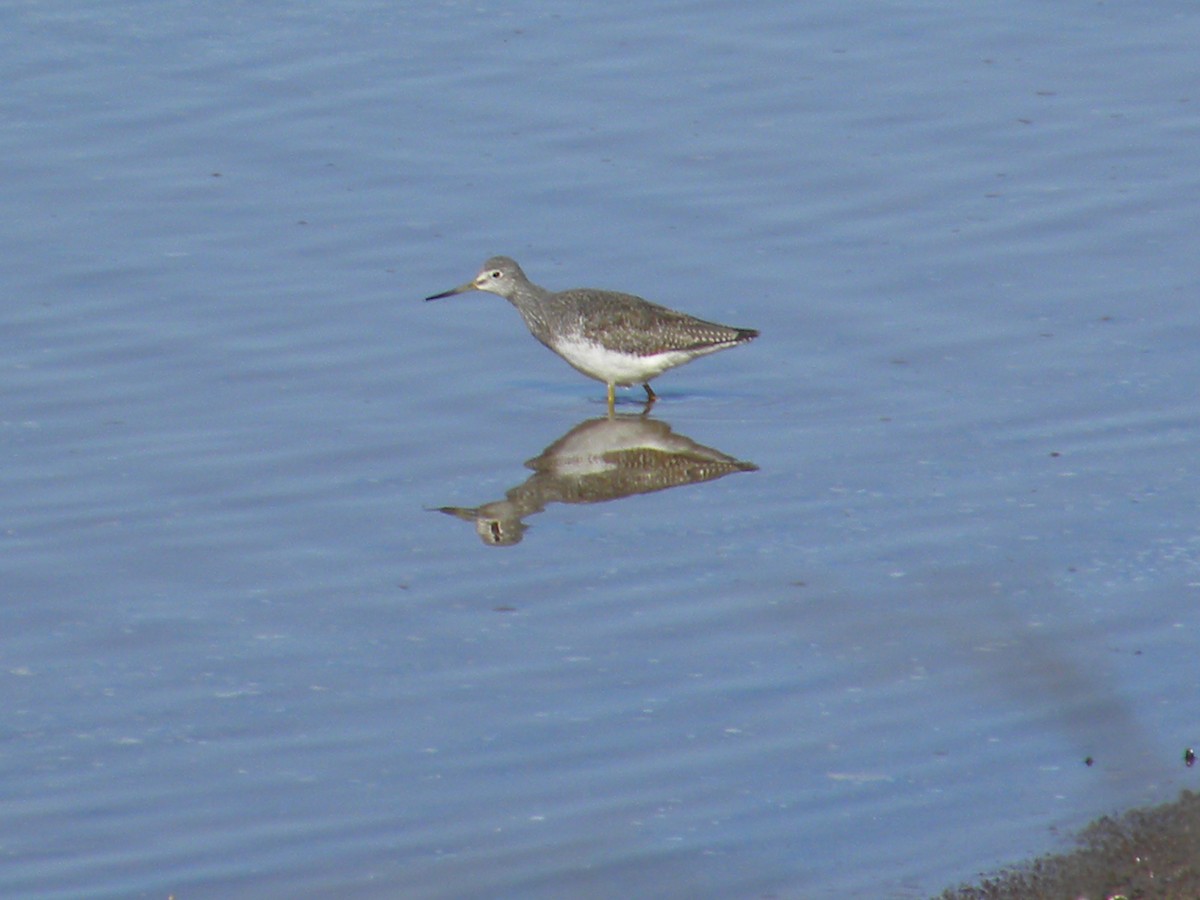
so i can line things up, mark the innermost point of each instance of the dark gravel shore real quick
(1145, 854)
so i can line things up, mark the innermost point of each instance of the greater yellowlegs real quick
(612, 337)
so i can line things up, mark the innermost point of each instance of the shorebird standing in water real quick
(612, 337)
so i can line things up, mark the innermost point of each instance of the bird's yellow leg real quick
(612, 398)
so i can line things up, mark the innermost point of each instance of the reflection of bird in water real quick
(599, 460)
(612, 337)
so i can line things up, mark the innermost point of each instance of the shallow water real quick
(244, 654)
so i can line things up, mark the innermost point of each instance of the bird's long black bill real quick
(450, 293)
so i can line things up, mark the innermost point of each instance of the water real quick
(243, 654)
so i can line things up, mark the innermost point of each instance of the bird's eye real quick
(495, 273)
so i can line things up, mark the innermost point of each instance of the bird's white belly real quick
(616, 368)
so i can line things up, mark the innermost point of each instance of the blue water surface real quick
(243, 653)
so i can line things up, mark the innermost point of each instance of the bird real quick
(616, 338)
